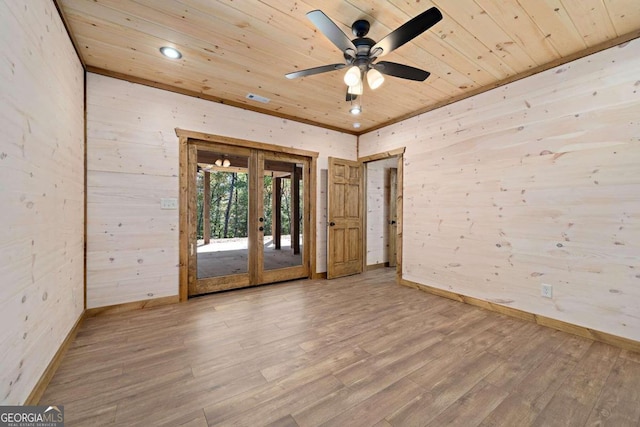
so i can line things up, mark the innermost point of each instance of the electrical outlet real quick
(168, 203)
(547, 291)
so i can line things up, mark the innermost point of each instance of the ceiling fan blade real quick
(401, 70)
(407, 32)
(315, 70)
(331, 31)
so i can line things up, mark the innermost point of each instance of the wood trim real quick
(377, 266)
(399, 215)
(399, 153)
(206, 208)
(310, 238)
(131, 306)
(54, 364)
(384, 155)
(363, 216)
(319, 276)
(238, 142)
(191, 214)
(70, 34)
(85, 197)
(256, 184)
(625, 38)
(621, 342)
(190, 142)
(183, 226)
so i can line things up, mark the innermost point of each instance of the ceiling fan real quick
(361, 53)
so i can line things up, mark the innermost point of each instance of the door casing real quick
(188, 140)
(399, 154)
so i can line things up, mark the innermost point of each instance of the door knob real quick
(332, 223)
(261, 219)
(261, 228)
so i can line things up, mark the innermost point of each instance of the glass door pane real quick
(283, 205)
(222, 205)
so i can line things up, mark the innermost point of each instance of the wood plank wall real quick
(534, 182)
(132, 162)
(378, 210)
(42, 193)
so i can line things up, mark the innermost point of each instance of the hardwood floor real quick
(356, 351)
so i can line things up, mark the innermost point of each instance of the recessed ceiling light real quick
(355, 110)
(356, 125)
(170, 52)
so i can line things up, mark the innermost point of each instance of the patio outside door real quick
(247, 222)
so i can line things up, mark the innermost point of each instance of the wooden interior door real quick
(345, 215)
(393, 216)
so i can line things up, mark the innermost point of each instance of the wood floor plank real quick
(191, 394)
(375, 408)
(358, 350)
(577, 396)
(472, 407)
(272, 404)
(455, 380)
(528, 399)
(286, 421)
(330, 359)
(618, 404)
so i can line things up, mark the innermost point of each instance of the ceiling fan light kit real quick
(352, 76)
(356, 89)
(374, 79)
(361, 53)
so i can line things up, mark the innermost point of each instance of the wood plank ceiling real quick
(234, 47)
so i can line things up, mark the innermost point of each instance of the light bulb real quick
(218, 162)
(355, 110)
(356, 89)
(374, 78)
(352, 76)
(226, 163)
(170, 52)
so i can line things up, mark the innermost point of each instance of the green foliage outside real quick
(230, 205)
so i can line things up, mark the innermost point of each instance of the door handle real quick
(331, 224)
(392, 222)
(261, 219)
(261, 228)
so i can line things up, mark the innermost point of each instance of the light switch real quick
(169, 203)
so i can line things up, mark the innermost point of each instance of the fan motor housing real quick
(360, 28)
(364, 45)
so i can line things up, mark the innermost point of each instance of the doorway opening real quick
(364, 214)
(222, 209)
(381, 213)
(246, 214)
(384, 205)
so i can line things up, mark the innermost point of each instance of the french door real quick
(248, 217)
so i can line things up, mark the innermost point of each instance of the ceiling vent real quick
(258, 98)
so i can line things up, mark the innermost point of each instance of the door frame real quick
(399, 153)
(188, 139)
